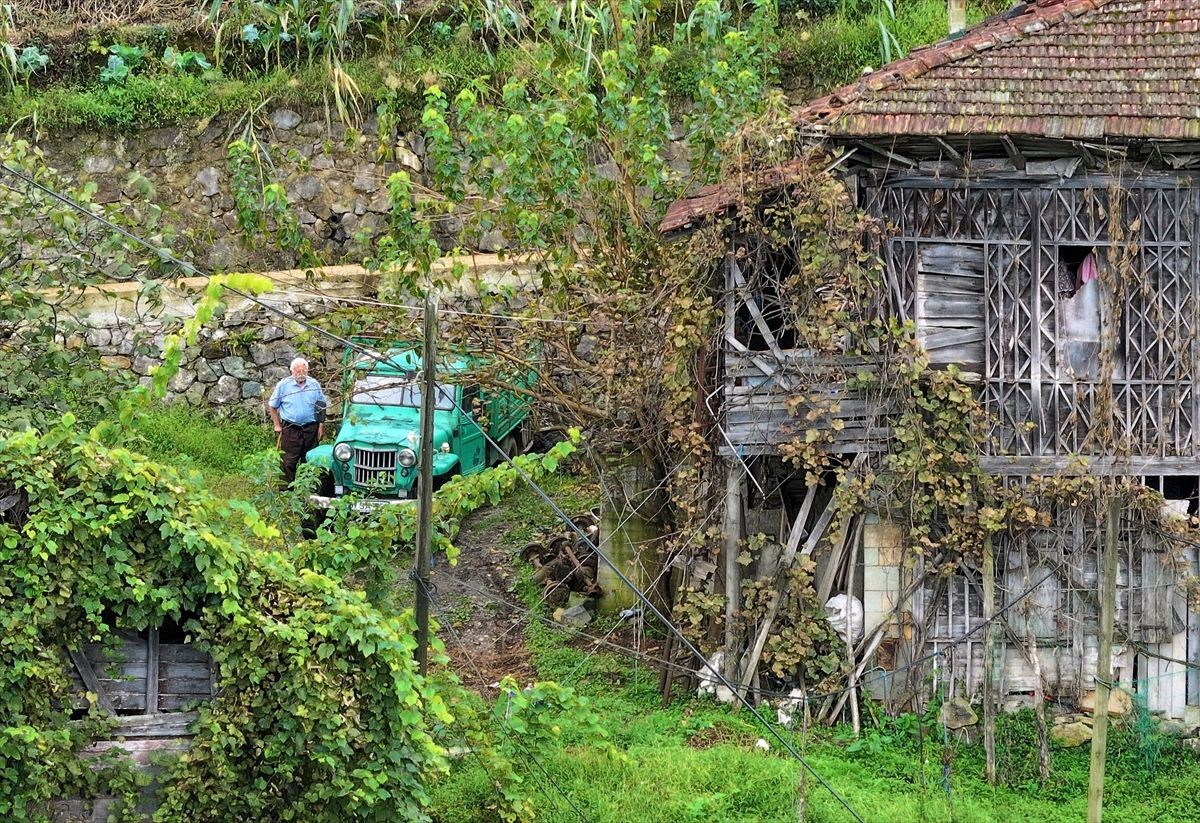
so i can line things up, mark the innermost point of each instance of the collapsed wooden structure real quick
(1038, 180)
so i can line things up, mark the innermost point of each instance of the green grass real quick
(696, 760)
(834, 50)
(814, 57)
(216, 447)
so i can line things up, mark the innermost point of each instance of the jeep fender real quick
(444, 463)
(321, 456)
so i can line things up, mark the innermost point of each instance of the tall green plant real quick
(574, 154)
(8, 50)
(885, 20)
(292, 31)
(320, 714)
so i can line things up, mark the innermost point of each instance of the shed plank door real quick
(949, 310)
(142, 675)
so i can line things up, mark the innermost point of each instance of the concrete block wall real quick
(883, 545)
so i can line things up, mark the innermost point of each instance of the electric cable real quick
(646, 602)
(466, 652)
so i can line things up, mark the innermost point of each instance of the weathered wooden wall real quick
(974, 263)
(144, 682)
(1154, 625)
(773, 394)
(143, 675)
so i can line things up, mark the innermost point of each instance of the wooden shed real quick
(1039, 180)
(151, 681)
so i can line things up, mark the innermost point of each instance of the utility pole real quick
(956, 12)
(1108, 608)
(425, 480)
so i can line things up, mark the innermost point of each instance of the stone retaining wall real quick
(332, 176)
(240, 357)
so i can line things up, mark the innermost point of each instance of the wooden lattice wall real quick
(973, 263)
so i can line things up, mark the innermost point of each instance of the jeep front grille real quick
(375, 469)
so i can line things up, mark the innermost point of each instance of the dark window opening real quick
(1181, 492)
(1077, 286)
(763, 279)
(748, 330)
(172, 631)
(1077, 266)
(471, 400)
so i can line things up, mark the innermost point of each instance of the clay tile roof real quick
(1062, 68)
(1086, 69)
(712, 200)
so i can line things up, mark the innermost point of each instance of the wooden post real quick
(1108, 608)
(152, 665)
(425, 481)
(989, 659)
(852, 680)
(733, 569)
(1039, 693)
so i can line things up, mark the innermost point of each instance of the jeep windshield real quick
(398, 390)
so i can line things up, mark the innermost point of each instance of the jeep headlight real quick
(342, 452)
(407, 458)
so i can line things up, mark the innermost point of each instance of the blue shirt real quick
(297, 403)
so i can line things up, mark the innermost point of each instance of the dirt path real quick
(481, 615)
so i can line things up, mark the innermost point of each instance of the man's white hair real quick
(299, 361)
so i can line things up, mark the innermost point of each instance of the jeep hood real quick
(394, 426)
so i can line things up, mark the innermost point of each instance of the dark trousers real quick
(296, 441)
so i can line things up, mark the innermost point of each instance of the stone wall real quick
(240, 357)
(330, 174)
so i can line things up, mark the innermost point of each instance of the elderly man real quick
(297, 407)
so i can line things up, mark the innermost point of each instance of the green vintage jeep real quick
(375, 453)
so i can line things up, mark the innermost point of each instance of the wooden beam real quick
(760, 322)
(764, 366)
(171, 724)
(734, 498)
(90, 680)
(948, 149)
(1082, 466)
(1108, 607)
(989, 660)
(1014, 154)
(785, 562)
(890, 155)
(850, 537)
(152, 672)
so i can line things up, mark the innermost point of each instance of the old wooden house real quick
(1038, 177)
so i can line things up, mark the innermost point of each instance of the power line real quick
(364, 301)
(462, 644)
(166, 255)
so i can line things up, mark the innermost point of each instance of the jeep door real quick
(471, 446)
